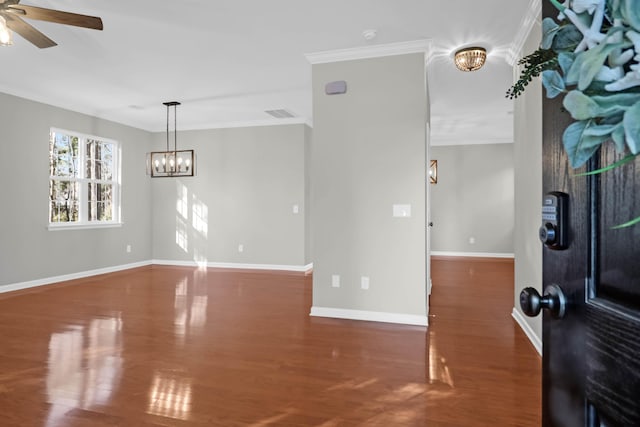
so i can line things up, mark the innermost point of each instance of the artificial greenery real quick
(591, 57)
(534, 64)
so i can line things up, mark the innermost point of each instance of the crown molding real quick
(253, 123)
(445, 142)
(366, 52)
(526, 25)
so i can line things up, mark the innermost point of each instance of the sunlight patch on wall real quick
(200, 217)
(182, 201)
(200, 224)
(182, 239)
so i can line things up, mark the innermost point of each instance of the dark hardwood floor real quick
(169, 346)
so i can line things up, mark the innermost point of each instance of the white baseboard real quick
(240, 266)
(372, 316)
(520, 320)
(67, 277)
(473, 254)
(84, 274)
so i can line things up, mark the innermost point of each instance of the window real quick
(83, 181)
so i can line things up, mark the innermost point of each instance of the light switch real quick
(296, 209)
(335, 280)
(402, 211)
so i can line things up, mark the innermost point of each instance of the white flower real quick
(592, 35)
(607, 74)
(590, 6)
(632, 78)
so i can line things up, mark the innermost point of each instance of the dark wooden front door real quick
(591, 356)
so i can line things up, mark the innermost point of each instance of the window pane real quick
(100, 203)
(63, 155)
(63, 197)
(99, 160)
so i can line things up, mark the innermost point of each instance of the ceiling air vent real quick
(280, 114)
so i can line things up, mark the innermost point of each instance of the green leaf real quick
(583, 107)
(627, 224)
(587, 64)
(615, 103)
(580, 106)
(549, 31)
(630, 13)
(620, 162)
(578, 145)
(599, 130)
(567, 38)
(565, 60)
(631, 123)
(553, 83)
(558, 5)
(618, 138)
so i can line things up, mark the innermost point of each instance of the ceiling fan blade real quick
(57, 16)
(16, 24)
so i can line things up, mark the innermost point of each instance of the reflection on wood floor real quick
(170, 346)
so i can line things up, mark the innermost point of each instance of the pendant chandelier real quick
(172, 162)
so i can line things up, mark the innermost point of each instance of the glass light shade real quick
(6, 35)
(470, 59)
(433, 172)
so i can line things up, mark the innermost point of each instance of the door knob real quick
(553, 300)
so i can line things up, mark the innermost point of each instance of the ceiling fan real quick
(13, 14)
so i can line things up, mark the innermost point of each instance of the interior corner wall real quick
(239, 208)
(28, 250)
(308, 236)
(368, 153)
(472, 203)
(528, 187)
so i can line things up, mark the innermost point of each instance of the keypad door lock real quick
(554, 232)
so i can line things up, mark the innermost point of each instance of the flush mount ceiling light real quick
(173, 162)
(470, 58)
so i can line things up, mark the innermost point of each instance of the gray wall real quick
(528, 186)
(248, 180)
(473, 199)
(28, 250)
(308, 138)
(368, 153)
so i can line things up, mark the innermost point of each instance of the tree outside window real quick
(83, 185)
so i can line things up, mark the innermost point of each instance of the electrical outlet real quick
(296, 209)
(472, 240)
(364, 282)
(240, 247)
(128, 248)
(335, 281)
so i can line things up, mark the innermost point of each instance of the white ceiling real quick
(228, 61)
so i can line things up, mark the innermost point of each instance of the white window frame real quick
(83, 222)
